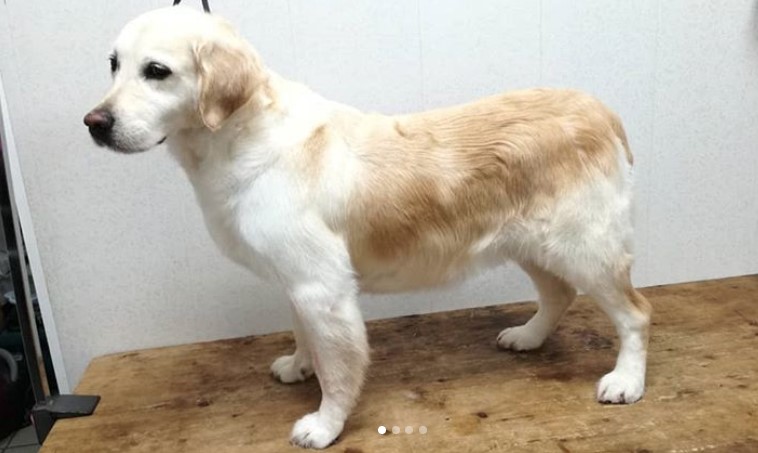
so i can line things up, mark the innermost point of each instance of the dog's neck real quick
(273, 106)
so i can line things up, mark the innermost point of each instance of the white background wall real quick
(129, 265)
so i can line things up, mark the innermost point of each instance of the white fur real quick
(264, 216)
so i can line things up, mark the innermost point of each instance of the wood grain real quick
(443, 371)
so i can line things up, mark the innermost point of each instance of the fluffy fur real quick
(327, 201)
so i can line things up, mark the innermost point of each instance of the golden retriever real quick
(327, 201)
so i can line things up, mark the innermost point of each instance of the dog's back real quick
(439, 193)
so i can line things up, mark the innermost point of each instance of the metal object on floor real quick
(55, 407)
(48, 408)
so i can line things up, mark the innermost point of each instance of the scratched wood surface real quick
(443, 371)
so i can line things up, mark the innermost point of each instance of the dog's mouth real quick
(114, 146)
(105, 142)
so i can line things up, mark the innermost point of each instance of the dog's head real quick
(173, 69)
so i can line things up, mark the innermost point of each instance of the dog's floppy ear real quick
(228, 76)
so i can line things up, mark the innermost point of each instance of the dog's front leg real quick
(298, 366)
(336, 336)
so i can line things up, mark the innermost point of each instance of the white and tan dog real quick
(328, 201)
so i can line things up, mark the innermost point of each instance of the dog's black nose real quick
(100, 123)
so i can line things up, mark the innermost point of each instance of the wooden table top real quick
(444, 372)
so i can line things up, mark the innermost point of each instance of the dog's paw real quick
(620, 388)
(519, 338)
(290, 369)
(315, 431)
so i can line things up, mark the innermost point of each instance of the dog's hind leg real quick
(555, 295)
(296, 367)
(630, 312)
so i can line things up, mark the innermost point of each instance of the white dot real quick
(422, 429)
(409, 430)
(395, 430)
(382, 430)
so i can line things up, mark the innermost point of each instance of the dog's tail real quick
(618, 129)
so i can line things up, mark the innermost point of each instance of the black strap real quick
(206, 8)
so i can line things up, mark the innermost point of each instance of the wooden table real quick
(444, 372)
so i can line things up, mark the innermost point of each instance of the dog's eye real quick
(114, 63)
(156, 71)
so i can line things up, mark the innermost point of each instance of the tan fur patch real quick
(634, 297)
(271, 97)
(460, 172)
(313, 151)
(618, 129)
(228, 74)
(400, 130)
(638, 302)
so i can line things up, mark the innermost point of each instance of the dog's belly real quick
(433, 266)
(416, 274)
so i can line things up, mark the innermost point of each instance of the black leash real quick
(206, 8)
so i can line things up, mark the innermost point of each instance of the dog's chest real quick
(226, 198)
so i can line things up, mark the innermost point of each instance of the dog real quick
(327, 201)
